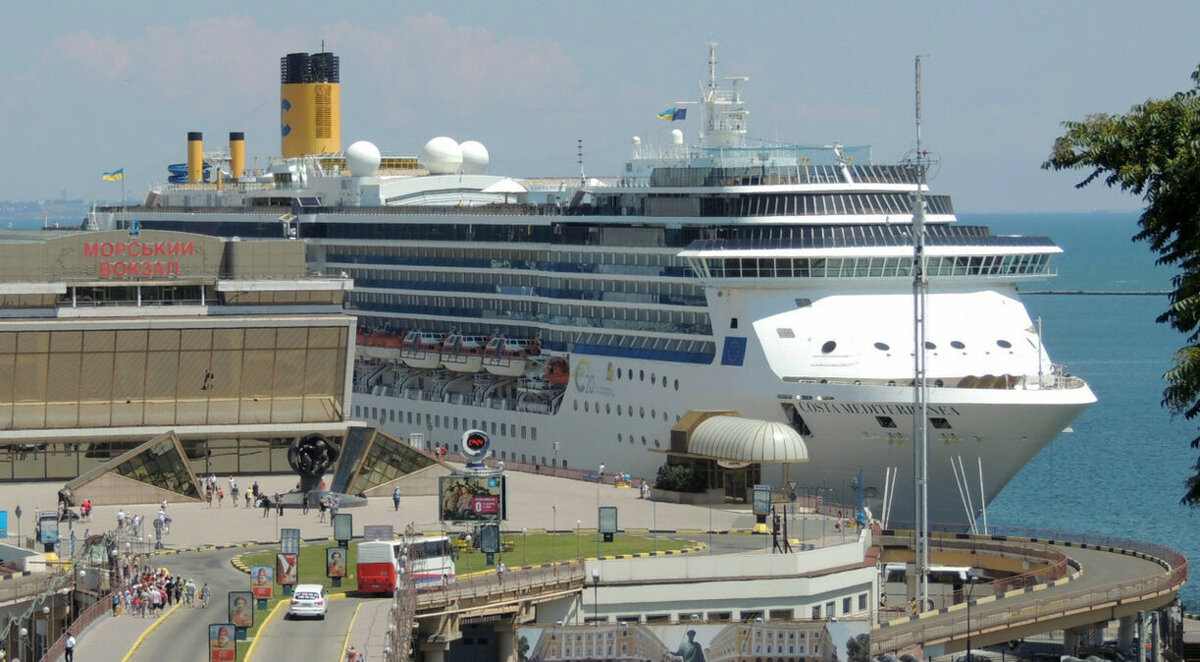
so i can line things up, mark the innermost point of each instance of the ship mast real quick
(920, 385)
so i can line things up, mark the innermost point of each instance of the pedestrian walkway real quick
(368, 633)
(112, 638)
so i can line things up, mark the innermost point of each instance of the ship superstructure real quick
(578, 319)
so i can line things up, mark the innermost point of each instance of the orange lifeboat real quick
(509, 357)
(558, 372)
(422, 349)
(461, 353)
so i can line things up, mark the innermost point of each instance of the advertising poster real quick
(221, 646)
(262, 581)
(285, 568)
(241, 610)
(472, 498)
(335, 562)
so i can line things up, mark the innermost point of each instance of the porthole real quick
(929, 345)
(828, 347)
(643, 441)
(938, 383)
(618, 373)
(585, 406)
(618, 410)
(676, 384)
(620, 437)
(642, 412)
(957, 344)
(664, 381)
(653, 378)
(576, 405)
(664, 416)
(1004, 343)
(607, 409)
(882, 346)
(641, 375)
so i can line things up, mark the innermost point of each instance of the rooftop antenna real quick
(920, 385)
(582, 178)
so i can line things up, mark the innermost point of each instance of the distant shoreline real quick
(1114, 293)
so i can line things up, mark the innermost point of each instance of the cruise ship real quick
(578, 319)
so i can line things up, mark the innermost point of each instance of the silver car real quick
(308, 600)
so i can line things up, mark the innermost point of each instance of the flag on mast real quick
(673, 114)
(114, 176)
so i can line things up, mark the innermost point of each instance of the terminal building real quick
(177, 354)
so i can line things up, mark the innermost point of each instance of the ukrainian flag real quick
(668, 115)
(114, 176)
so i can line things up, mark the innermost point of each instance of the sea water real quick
(1120, 472)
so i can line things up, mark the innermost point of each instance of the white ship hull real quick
(844, 432)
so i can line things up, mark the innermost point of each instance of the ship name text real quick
(869, 408)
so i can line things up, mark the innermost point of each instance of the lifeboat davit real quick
(509, 357)
(421, 349)
(461, 353)
(378, 344)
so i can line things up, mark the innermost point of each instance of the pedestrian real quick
(233, 492)
(121, 518)
(396, 498)
(116, 605)
(500, 570)
(205, 596)
(266, 505)
(352, 654)
(601, 471)
(189, 593)
(323, 506)
(247, 499)
(69, 650)
(220, 496)
(279, 504)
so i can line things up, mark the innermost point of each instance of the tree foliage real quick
(1153, 151)
(679, 478)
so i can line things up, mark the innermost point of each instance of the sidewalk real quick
(111, 638)
(368, 633)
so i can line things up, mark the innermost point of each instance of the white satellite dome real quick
(474, 157)
(676, 137)
(442, 156)
(362, 158)
(637, 141)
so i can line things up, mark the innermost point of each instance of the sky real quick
(91, 87)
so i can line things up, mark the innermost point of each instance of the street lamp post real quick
(596, 596)
(970, 590)
(524, 531)
(578, 549)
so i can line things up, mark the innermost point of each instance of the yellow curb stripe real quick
(349, 629)
(266, 621)
(150, 629)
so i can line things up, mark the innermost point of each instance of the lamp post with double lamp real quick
(596, 596)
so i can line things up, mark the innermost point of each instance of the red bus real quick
(431, 560)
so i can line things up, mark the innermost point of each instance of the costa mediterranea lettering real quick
(138, 268)
(871, 408)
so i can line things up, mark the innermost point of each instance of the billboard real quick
(241, 611)
(262, 581)
(472, 498)
(221, 646)
(285, 568)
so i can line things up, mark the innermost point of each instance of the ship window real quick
(522, 431)
(653, 414)
(607, 408)
(533, 436)
(618, 373)
(929, 345)
(641, 375)
(643, 441)
(618, 410)
(785, 333)
(653, 378)
(733, 323)
(1004, 343)
(957, 344)
(576, 405)
(586, 405)
(676, 384)
(939, 423)
(828, 347)
(885, 421)
(620, 437)
(642, 412)
(882, 346)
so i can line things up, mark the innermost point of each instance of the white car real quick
(308, 600)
